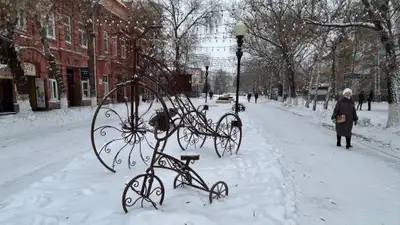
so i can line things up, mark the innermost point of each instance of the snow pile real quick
(85, 193)
(11, 125)
(377, 117)
(37, 120)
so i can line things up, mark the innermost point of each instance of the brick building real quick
(68, 43)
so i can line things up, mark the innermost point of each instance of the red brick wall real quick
(71, 55)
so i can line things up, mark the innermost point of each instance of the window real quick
(21, 24)
(53, 90)
(123, 49)
(83, 38)
(51, 27)
(106, 88)
(115, 46)
(67, 26)
(105, 41)
(85, 89)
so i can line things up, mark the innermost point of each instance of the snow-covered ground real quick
(51, 176)
(333, 185)
(288, 172)
(371, 125)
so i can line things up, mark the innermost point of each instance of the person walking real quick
(369, 99)
(343, 116)
(256, 96)
(249, 97)
(361, 98)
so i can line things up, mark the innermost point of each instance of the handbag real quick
(340, 118)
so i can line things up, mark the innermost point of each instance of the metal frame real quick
(182, 117)
(152, 188)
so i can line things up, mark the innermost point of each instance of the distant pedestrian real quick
(369, 99)
(211, 94)
(361, 98)
(248, 97)
(344, 115)
(256, 96)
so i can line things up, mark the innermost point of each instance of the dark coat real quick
(256, 95)
(370, 96)
(361, 97)
(345, 107)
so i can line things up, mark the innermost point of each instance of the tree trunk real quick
(331, 87)
(316, 89)
(378, 79)
(177, 57)
(290, 76)
(334, 91)
(55, 70)
(309, 91)
(283, 81)
(292, 85)
(393, 83)
(10, 54)
(91, 64)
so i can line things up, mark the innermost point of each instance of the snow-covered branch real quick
(342, 25)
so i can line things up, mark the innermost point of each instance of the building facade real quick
(68, 40)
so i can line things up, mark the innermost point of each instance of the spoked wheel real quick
(182, 179)
(141, 189)
(188, 134)
(229, 134)
(119, 129)
(218, 190)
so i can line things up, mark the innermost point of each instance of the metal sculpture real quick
(174, 114)
(149, 188)
(240, 108)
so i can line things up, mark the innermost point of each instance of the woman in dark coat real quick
(344, 115)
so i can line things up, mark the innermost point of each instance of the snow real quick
(371, 125)
(53, 177)
(288, 172)
(333, 185)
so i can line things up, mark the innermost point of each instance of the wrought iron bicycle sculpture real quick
(175, 114)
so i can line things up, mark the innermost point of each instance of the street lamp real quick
(206, 63)
(240, 30)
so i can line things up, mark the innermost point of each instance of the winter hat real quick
(347, 90)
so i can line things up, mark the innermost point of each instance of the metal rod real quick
(239, 55)
(206, 83)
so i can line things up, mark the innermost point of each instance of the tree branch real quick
(343, 25)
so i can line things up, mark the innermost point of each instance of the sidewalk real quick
(371, 125)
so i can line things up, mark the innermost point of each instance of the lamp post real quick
(240, 30)
(206, 63)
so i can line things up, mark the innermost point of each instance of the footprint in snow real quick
(40, 200)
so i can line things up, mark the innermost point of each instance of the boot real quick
(339, 138)
(348, 143)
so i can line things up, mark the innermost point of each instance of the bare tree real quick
(383, 17)
(182, 18)
(276, 23)
(44, 9)
(10, 12)
(89, 14)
